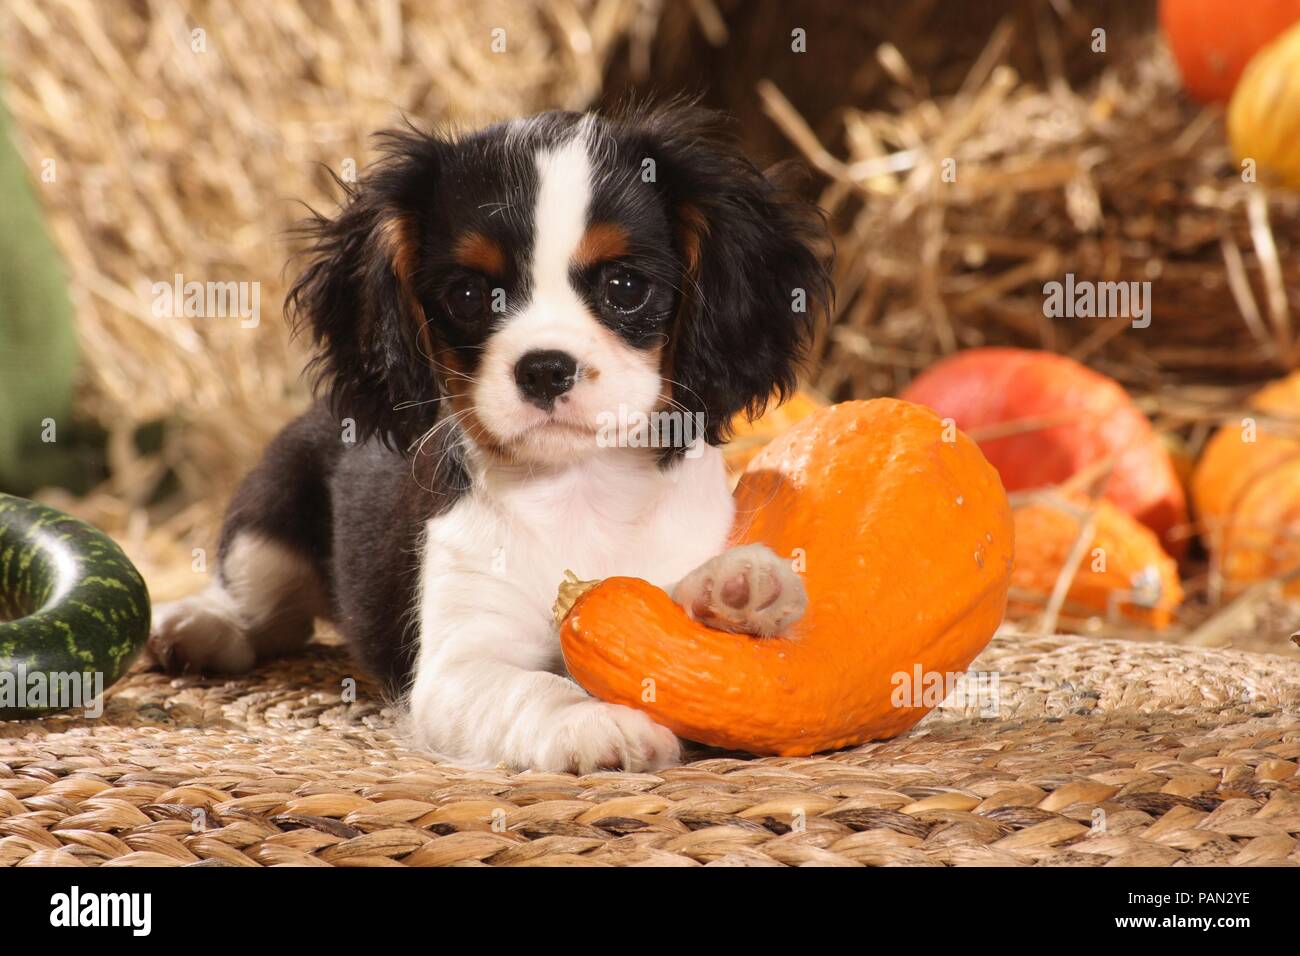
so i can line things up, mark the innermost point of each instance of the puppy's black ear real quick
(357, 299)
(757, 261)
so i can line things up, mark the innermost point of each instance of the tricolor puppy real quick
(484, 309)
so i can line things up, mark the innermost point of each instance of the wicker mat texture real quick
(1103, 753)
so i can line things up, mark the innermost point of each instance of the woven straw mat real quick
(1102, 753)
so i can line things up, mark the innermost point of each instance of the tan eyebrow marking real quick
(479, 252)
(601, 242)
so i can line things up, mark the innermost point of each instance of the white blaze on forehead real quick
(560, 217)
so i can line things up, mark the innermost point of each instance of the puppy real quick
(485, 309)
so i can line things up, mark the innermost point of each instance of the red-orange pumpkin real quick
(1213, 40)
(905, 544)
(982, 389)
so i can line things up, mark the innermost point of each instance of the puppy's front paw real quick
(195, 635)
(592, 735)
(749, 590)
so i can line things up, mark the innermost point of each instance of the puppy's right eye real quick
(467, 299)
(626, 291)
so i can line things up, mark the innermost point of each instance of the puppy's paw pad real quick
(593, 735)
(749, 590)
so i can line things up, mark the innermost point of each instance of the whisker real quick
(402, 406)
(424, 440)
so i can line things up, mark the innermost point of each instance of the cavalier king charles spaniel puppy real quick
(485, 310)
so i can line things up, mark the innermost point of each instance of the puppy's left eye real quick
(626, 290)
(467, 299)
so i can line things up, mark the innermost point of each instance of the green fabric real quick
(37, 345)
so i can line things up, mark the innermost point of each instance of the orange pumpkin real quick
(1264, 115)
(990, 390)
(1213, 40)
(748, 437)
(1246, 489)
(1123, 569)
(905, 545)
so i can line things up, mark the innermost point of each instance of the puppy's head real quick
(540, 278)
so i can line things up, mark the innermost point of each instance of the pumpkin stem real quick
(571, 588)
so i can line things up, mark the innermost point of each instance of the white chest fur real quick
(487, 678)
(502, 550)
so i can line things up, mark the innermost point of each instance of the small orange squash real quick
(1246, 489)
(1123, 569)
(905, 545)
(748, 437)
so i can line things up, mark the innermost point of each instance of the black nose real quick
(544, 375)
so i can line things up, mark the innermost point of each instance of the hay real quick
(1123, 180)
(180, 153)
